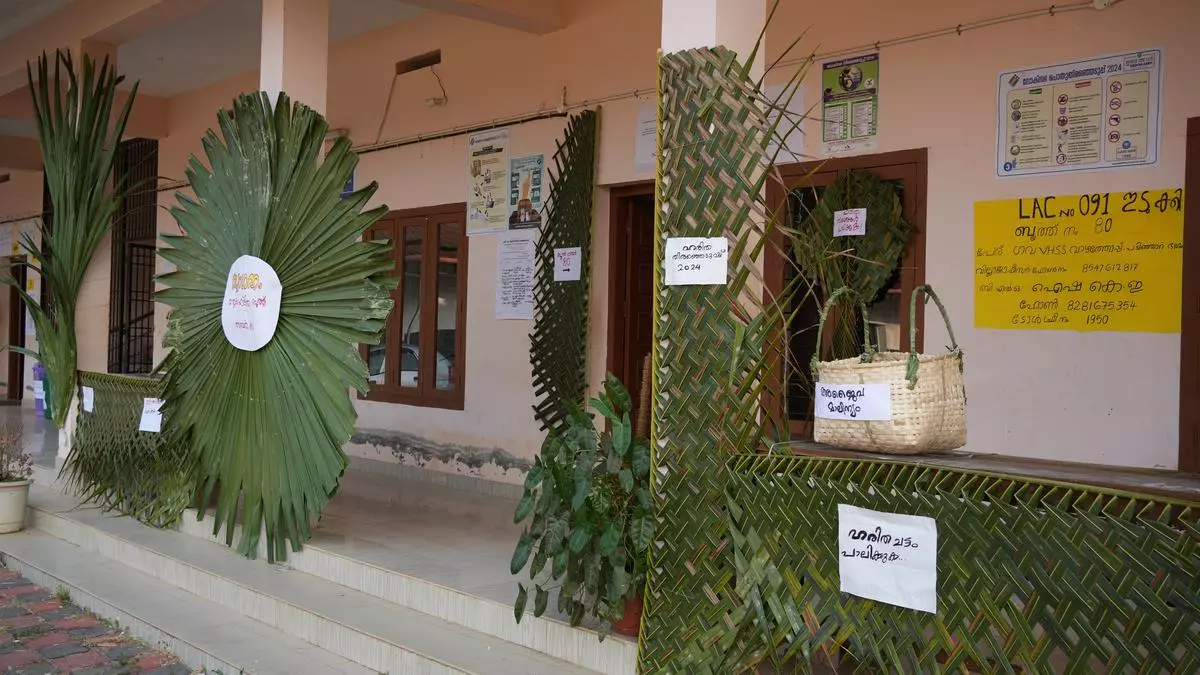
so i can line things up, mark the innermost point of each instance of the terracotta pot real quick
(631, 622)
(14, 495)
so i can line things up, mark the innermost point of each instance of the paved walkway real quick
(40, 635)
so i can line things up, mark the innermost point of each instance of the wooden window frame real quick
(425, 394)
(912, 166)
(1189, 334)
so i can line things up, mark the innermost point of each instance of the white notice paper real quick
(696, 261)
(89, 399)
(568, 263)
(39, 390)
(151, 415)
(850, 223)
(790, 114)
(250, 312)
(861, 402)
(645, 143)
(514, 275)
(888, 557)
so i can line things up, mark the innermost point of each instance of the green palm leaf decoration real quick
(79, 137)
(266, 428)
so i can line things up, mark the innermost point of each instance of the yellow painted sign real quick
(1096, 262)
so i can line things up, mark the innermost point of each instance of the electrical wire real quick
(445, 97)
(386, 108)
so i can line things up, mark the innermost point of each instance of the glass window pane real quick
(409, 314)
(377, 353)
(448, 235)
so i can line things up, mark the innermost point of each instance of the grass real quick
(63, 595)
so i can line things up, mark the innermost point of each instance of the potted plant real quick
(15, 469)
(587, 499)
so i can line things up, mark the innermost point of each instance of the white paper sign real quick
(39, 390)
(789, 114)
(151, 415)
(568, 263)
(645, 142)
(850, 223)
(696, 261)
(89, 399)
(860, 402)
(514, 275)
(888, 557)
(250, 313)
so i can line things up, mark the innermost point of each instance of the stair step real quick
(368, 630)
(202, 634)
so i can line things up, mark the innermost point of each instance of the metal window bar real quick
(134, 234)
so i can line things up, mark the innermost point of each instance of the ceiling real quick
(17, 14)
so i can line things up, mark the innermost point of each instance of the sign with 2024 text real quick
(696, 261)
(250, 313)
(888, 557)
(859, 402)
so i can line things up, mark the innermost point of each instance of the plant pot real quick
(631, 621)
(14, 495)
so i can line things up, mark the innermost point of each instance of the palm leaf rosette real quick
(266, 428)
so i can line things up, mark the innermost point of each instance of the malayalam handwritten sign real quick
(89, 399)
(151, 420)
(568, 263)
(850, 223)
(888, 557)
(696, 261)
(860, 402)
(1094, 262)
(250, 312)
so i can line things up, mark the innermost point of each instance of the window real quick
(134, 233)
(420, 360)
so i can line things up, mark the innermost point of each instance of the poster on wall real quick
(515, 267)
(1109, 261)
(28, 227)
(1101, 113)
(645, 140)
(849, 104)
(487, 181)
(790, 115)
(525, 175)
(7, 238)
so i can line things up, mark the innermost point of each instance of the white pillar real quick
(736, 24)
(295, 50)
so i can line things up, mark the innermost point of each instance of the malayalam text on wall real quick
(1095, 262)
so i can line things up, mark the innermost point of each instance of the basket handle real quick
(868, 351)
(913, 360)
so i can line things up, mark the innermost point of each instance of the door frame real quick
(619, 223)
(1189, 325)
(16, 332)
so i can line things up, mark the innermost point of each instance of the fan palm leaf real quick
(266, 428)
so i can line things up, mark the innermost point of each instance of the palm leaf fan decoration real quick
(266, 428)
(79, 137)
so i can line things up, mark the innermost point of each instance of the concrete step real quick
(201, 633)
(368, 630)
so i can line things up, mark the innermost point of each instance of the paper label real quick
(39, 390)
(568, 263)
(89, 399)
(151, 415)
(645, 141)
(515, 275)
(888, 557)
(850, 223)
(696, 261)
(250, 313)
(860, 402)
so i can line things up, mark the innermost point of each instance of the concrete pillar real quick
(295, 50)
(736, 24)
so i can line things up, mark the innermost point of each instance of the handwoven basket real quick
(928, 403)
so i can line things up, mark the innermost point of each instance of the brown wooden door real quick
(15, 334)
(631, 287)
(1189, 361)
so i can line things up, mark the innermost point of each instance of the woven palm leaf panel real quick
(707, 372)
(1032, 576)
(119, 468)
(558, 345)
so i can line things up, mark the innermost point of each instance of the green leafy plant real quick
(79, 137)
(587, 500)
(265, 429)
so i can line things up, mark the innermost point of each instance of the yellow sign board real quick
(1096, 262)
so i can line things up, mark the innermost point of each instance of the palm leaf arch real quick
(266, 428)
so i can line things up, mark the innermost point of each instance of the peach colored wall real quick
(22, 196)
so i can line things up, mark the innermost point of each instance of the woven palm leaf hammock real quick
(265, 428)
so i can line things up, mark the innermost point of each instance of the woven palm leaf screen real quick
(265, 421)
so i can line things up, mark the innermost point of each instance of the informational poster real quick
(855, 402)
(7, 239)
(26, 228)
(487, 181)
(1096, 114)
(696, 261)
(888, 557)
(89, 399)
(849, 104)
(789, 127)
(568, 263)
(645, 141)
(250, 311)
(525, 176)
(1110, 261)
(850, 223)
(151, 420)
(515, 268)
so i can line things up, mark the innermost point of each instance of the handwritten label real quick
(861, 402)
(696, 261)
(250, 313)
(89, 399)
(151, 415)
(568, 263)
(888, 557)
(515, 275)
(1094, 262)
(850, 223)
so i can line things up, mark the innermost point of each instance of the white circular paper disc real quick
(250, 313)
